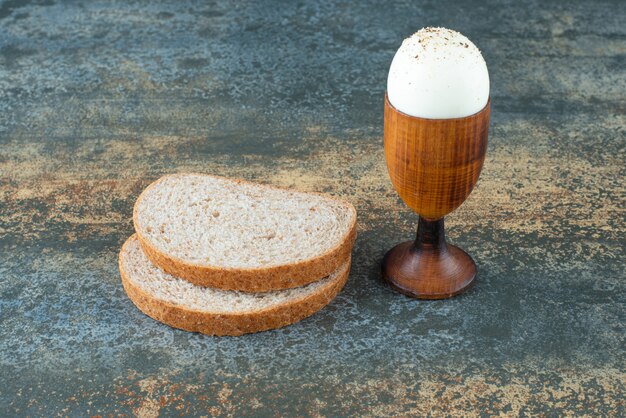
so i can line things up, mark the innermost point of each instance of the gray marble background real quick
(99, 98)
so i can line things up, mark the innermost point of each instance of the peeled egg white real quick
(438, 73)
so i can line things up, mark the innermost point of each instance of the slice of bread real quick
(180, 304)
(236, 235)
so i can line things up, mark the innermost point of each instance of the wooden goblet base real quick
(428, 268)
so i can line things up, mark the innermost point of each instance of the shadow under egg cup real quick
(433, 164)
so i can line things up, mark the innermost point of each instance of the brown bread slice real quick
(180, 304)
(237, 235)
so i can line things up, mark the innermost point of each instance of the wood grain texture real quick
(428, 268)
(434, 163)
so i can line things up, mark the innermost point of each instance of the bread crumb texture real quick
(212, 221)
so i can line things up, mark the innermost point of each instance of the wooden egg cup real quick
(434, 164)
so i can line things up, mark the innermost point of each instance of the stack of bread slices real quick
(229, 257)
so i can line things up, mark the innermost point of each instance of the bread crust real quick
(234, 324)
(261, 279)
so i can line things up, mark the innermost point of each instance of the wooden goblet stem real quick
(430, 235)
(428, 268)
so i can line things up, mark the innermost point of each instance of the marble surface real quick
(99, 98)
